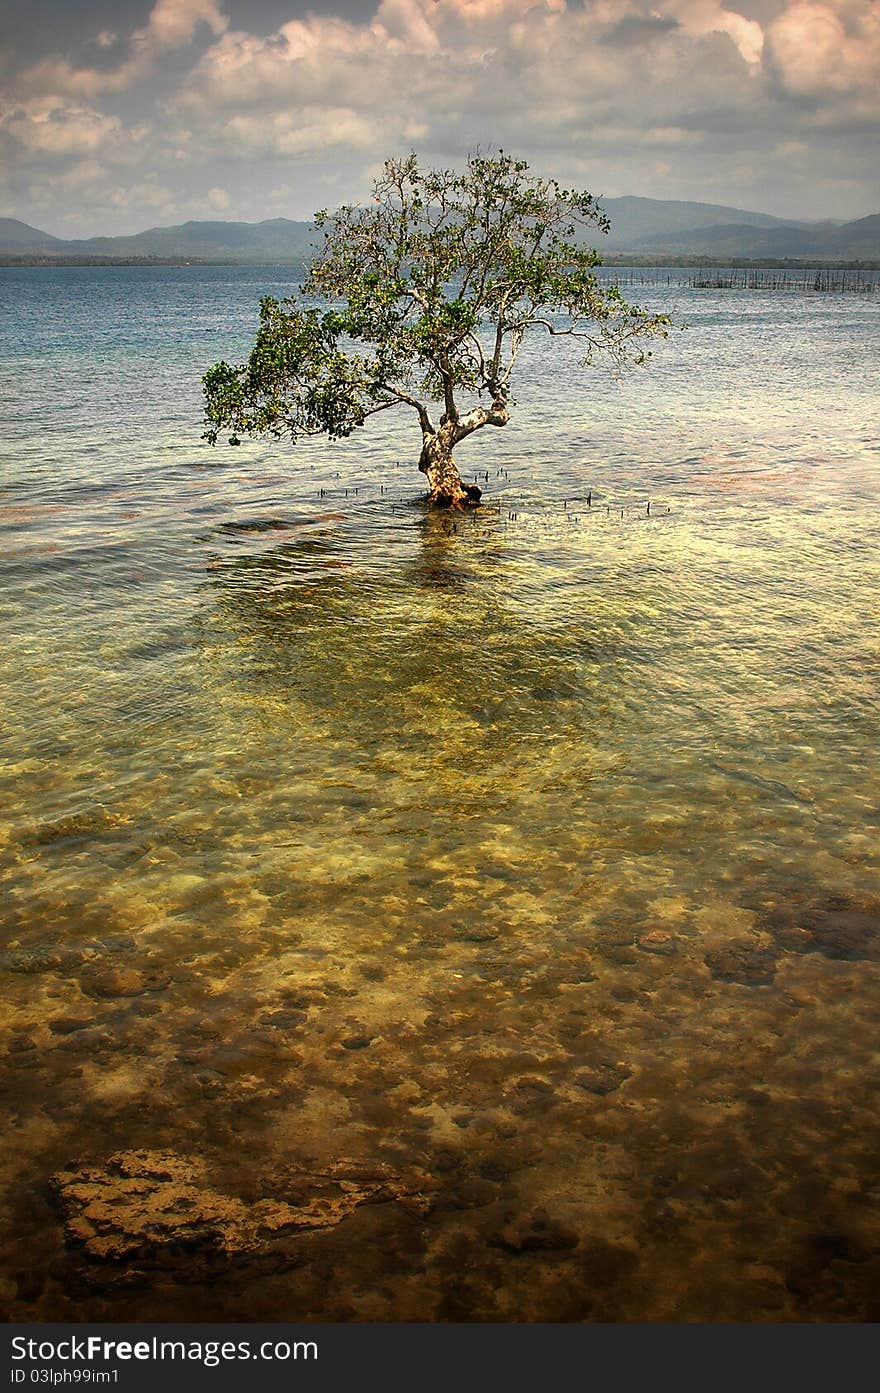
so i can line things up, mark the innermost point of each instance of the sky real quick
(116, 115)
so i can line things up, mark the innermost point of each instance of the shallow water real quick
(526, 860)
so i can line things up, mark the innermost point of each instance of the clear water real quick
(533, 853)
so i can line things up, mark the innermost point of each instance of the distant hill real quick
(647, 226)
(17, 236)
(635, 219)
(277, 239)
(853, 241)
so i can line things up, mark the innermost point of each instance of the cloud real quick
(508, 63)
(172, 24)
(821, 49)
(700, 17)
(149, 196)
(591, 85)
(298, 132)
(676, 98)
(485, 52)
(47, 128)
(315, 60)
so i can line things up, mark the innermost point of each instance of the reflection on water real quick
(414, 917)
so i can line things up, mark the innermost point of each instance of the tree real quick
(433, 287)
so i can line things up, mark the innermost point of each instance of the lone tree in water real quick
(434, 286)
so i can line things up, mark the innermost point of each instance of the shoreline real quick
(627, 259)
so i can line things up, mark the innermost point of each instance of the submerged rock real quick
(109, 982)
(844, 929)
(156, 1208)
(603, 1078)
(41, 957)
(744, 962)
(535, 1232)
(658, 941)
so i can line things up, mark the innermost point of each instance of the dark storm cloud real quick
(637, 29)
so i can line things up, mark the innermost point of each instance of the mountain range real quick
(641, 226)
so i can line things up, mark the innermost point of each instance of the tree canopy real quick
(425, 296)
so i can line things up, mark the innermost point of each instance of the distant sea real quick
(509, 880)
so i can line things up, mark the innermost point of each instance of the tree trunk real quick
(445, 487)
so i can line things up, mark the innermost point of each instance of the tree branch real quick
(450, 408)
(425, 421)
(495, 415)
